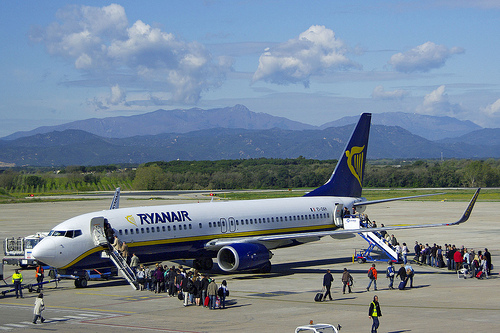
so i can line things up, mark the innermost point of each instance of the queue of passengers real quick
(455, 258)
(188, 285)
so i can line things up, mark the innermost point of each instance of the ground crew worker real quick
(17, 279)
(39, 275)
(374, 313)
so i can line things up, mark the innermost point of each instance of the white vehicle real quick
(318, 328)
(240, 234)
(18, 250)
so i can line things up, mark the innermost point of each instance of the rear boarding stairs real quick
(374, 239)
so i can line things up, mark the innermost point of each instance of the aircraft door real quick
(97, 231)
(338, 215)
(223, 225)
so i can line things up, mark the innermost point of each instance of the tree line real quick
(262, 173)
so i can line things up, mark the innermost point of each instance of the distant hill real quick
(238, 116)
(485, 136)
(76, 147)
(429, 127)
(172, 121)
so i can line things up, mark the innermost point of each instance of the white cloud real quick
(423, 58)
(117, 96)
(437, 103)
(314, 52)
(100, 42)
(380, 93)
(493, 109)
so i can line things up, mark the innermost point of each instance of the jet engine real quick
(243, 256)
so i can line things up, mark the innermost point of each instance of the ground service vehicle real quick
(18, 250)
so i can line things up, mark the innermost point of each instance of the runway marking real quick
(17, 325)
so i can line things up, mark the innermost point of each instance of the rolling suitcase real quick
(318, 297)
(402, 284)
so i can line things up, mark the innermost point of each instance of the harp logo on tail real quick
(355, 159)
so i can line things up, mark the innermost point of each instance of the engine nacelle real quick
(242, 256)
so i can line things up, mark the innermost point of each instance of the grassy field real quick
(376, 194)
(453, 194)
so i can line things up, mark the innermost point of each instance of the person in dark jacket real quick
(402, 273)
(159, 279)
(327, 283)
(374, 313)
(204, 285)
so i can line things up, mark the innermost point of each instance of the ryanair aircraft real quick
(240, 234)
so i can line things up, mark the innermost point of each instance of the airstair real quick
(97, 230)
(374, 238)
(123, 267)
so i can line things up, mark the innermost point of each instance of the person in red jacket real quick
(457, 257)
(372, 275)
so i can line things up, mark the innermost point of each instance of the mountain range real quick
(235, 133)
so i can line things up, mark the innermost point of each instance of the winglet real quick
(468, 210)
(115, 203)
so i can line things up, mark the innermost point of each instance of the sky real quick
(308, 61)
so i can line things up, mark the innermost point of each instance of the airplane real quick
(240, 234)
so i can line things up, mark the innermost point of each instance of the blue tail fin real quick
(347, 178)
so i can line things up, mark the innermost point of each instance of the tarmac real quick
(283, 299)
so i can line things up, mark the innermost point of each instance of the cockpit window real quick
(65, 233)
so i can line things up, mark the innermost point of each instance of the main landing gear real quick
(204, 264)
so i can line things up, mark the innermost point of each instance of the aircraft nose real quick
(45, 251)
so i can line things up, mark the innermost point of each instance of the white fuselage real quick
(183, 231)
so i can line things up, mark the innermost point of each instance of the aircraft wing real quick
(364, 203)
(218, 243)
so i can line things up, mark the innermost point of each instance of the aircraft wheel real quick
(266, 268)
(83, 283)
(197, 264)
(207, 263)
(78, 283)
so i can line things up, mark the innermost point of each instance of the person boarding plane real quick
(240, 234)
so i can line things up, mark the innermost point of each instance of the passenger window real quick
(190, 227)
(126, 231)
(200, 225)
(163, 228)
(285, 219)
(168, 228)
(137, 230)
(185, 227)
(174, 227)
(218, 223)
(147, 230)
(120, 232)
(131, 231)
(153, 229)
(272, 219)
(142, 230)
(158, 229)
(210, 224)
(281, 218)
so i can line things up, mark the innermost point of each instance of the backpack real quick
(390, 271)
(370, 273)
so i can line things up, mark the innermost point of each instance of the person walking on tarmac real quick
(17, 279)
(39, 276)
(346, 280)
(327, 283)
(372, 275)
(374, 313)
(39, 307)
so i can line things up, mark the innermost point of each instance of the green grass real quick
(376, 194)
